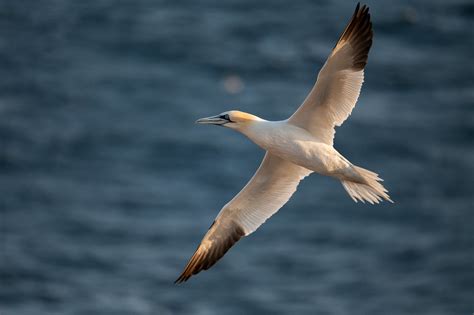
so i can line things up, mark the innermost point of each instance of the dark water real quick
(107, 185)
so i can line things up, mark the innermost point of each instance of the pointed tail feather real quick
(368, 188)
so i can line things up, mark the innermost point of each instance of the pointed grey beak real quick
(213, 120)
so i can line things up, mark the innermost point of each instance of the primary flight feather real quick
(296, 147)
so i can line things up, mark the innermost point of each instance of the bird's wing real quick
(268, 190)
(337, 88)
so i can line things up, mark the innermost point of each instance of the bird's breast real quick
(316, 156)
(300, 147)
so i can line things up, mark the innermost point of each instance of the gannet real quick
(295, 148)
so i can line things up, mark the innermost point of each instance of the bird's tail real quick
(367, 187)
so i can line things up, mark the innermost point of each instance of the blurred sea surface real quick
(107, 185)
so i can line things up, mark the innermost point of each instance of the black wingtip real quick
(205, 257)
(181, 279)
(359, 32)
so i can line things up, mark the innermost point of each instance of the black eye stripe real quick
(226, 117)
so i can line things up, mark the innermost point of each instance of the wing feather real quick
(269, 189)
(339, 82)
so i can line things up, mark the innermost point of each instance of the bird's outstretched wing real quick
(339, 82)
(269, 189)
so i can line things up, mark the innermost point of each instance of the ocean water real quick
(107, 185)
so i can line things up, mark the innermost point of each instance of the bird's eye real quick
(226, 117)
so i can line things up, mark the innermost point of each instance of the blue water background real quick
(107, 185)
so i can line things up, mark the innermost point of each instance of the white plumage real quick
(269, 189)
(296, 147)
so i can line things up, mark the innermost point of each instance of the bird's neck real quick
(261, 132)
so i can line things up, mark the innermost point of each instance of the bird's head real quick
(232, 119)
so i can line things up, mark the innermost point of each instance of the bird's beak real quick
(213, 120)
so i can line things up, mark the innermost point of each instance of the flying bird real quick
(296, 147)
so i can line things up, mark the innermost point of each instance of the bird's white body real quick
(296, 147)
(295, 144)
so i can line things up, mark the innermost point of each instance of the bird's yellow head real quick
(231, 119)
